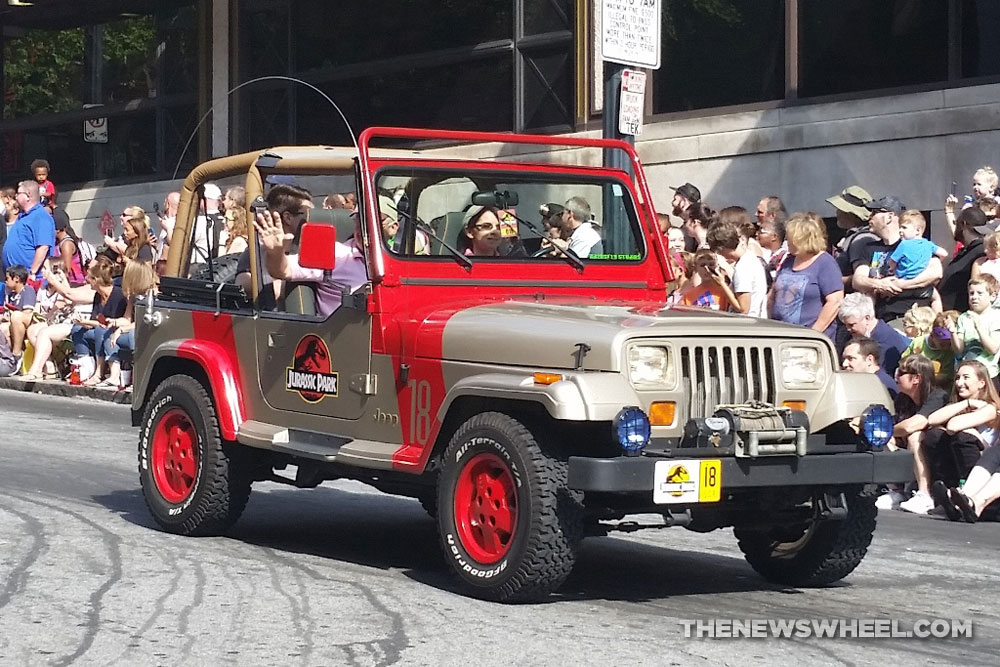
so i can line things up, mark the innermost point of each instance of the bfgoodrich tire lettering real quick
(822, 553)
(509, 526)
(205, 493)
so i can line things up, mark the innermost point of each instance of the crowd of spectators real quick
(892, 303)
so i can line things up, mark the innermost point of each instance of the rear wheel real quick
(508, 524)
(816, 553)
(191, 479)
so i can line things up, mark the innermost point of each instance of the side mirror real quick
(317, 246)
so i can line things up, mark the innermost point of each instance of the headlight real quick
(632, 430)
(876, 426)
(802, 367)
(650, 366)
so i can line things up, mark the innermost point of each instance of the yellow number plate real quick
(690, 481)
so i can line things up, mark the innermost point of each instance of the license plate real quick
(691, 481)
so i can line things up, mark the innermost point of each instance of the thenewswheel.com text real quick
(840, 628)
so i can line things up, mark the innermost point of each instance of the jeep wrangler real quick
(527, 391)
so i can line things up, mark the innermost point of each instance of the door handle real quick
(275, 339)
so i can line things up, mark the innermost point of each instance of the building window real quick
(980, 35)
(720, 53)
(854, 45)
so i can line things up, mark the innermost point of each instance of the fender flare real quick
(562, 400)
(223, 376)
(846, 396)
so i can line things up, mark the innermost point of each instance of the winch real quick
(752, 429)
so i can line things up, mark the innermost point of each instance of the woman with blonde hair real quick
(237, 228)
(808, 287)
(138, 279)
(135, 228)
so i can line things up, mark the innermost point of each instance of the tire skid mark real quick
(387, 647)
(184, 617)
(93, 615)
(18, 577)
(297, 605)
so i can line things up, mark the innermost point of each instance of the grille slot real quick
(716, 374)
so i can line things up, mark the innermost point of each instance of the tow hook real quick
(831, 507)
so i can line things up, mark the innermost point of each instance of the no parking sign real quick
(95, 130)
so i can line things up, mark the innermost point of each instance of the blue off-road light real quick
(876, 426)
(632, 429)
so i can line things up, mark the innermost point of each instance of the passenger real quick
(237, 233)
(958, 433)
(480, 235)
(290, 204)
(349, 272)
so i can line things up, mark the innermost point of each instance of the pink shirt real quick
(350, 272)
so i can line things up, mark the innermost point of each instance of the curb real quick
(61, 388)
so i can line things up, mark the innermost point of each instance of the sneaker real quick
(890, 500)
(920, 503)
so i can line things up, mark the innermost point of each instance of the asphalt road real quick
(343, 575)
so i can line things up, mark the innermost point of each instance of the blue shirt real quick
(33, 228)
(912, 256)
(799, 295)
(892, 343)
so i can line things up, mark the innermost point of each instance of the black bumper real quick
(635, 474)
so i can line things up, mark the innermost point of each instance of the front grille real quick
(712, 375)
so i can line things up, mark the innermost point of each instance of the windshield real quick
(491, 215)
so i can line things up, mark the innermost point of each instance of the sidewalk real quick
(62, 388)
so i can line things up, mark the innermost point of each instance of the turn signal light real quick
(794, 405)
(547, 378)
(662, 413)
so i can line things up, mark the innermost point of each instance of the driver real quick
(577, 232)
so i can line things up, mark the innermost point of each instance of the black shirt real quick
(954, 285)
(875, 255)
(906, 408)
(113, 307)
(850, 248)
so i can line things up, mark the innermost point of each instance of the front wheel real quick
(509, 525)
(191, 479)
(817, 553)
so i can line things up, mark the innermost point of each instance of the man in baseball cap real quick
(853, 217)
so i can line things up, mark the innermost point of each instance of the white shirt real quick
(584, 238)
(749, 278)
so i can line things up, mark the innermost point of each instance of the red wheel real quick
(486, 508)
(175, 456)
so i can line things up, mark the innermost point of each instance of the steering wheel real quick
(543, 251)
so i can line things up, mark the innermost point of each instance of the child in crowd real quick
(914, 252)
(712, 291)
(989, 263)
(936, 346)
(918, 321)
(976, 334)
(19, 304)
(46, 189)
(984, 184)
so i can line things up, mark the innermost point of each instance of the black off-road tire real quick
(818, 555)
(216, 493)
(429, 501)
(547, 521)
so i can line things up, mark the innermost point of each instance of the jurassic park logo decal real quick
(310, 375)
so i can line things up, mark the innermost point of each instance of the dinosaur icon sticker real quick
(310, 374)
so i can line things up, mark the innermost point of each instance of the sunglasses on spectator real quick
(486, 226)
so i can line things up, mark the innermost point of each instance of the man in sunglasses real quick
(852, 217)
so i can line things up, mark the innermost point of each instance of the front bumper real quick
(635, 474)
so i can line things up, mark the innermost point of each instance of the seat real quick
(448, 230)
(340, 218)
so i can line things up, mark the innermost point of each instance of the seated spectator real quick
(919, 396)
(46, 337)
(349, 273)
(980, 489)
(976, 334)
(807, 289)
(51, 307)
(936, 347)
(970, 229)
(19, 305)
(913, 252)
(857, 312)
(862, 355)
(918, 321)
(712, 290)
(990, 262)
(957, 434)
(8, 362)
(138, 239)
(90, 334)
(727, 238)
(70, 250)
(138, 279)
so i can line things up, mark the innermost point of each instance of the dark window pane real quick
(128, 50)
(264, 121)
(43, 72)
(541, 16)
(264, 44)
(720, 53)
(854, 45)
(178, 70)
(330, 34)
(472, 96)
(980, 36)
(178, 124)
(548, 88)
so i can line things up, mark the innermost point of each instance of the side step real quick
(304, 444)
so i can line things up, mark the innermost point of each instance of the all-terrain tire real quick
(193, 482)
(508, 524)
(817, 555)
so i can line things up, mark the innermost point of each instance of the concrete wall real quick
(912, 146)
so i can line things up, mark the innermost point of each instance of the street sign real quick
(95, 130)
(107, 224)
(630, 32)
(632, 105)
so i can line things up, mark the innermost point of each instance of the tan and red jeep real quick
(528, 395)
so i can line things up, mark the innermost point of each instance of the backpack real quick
(87, 253)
